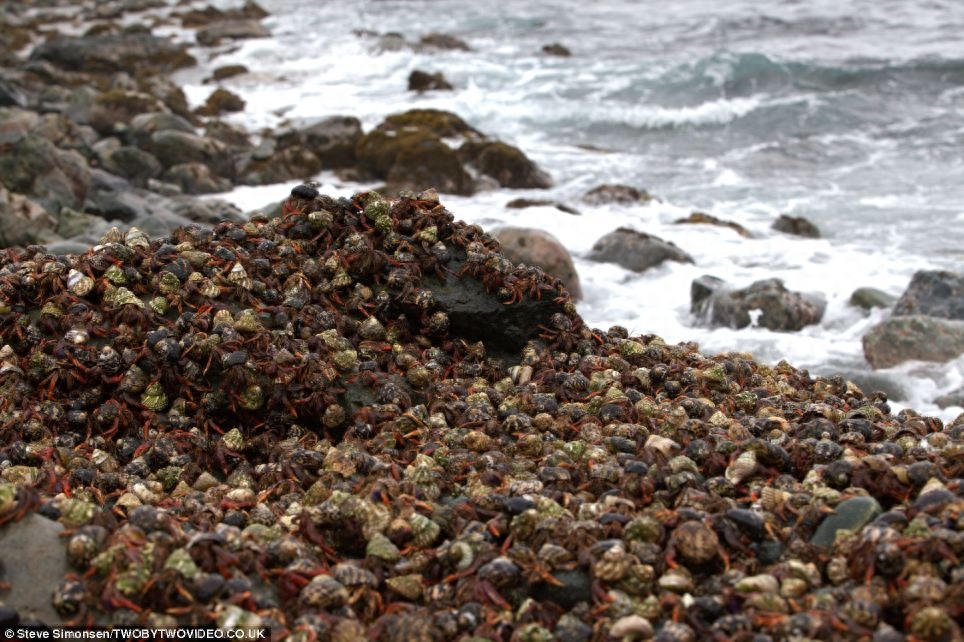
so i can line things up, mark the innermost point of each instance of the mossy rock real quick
(429, 163)
(378, 149)
(505, 163)
(443, 124)
(120, 106)
(220, 101)
(228, 71)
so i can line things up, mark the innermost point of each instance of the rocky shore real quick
(360, 420)
(351, 419)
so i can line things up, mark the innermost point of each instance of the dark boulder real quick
(913, 337)
(443, 124)
(636, 251)
(53, 177)
(227, 71)
(774, 306)
(505, 163)
(421, 81)
(117, 52)
(220, 101)
(445, 41)
(797, 226)
(934, 293)
(615, 194)
(556, 49)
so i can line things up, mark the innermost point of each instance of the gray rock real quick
(850, 514)
(636, 251)
(714, 302)
(214, 33)
(115, 52)
(522, 203)
(143, 126)
(173, 147)
(955, 398)
(333, 140)
(478, 316)
(53, 177)
(904, 338)
(934, 293)
(196, 178)
(33, 559)
(128, 161)
(797, 226)
(289, 164)
(615, 193)
(23, 221)
(540, 249)
(869, 298)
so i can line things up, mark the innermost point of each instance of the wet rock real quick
(421, 81)
(114, 110)
(933, 293)
(850, 514)
(522, 203)
(228, 71)
(33, 561)
(870, 298)
(429, 164)
(507, 164)
(905, 338)
(615, 194)
(444, 41)
(332, 140)
(220, 101)
(407, 150)
(775, 307)
(636, 251)
(699, 218)
(285, 165)
(143, 126)
(53, 177)
(214, 33)
(116, 52)
(796, 225)
(22, 221)
(250, 10)
(227, 134)
(173, 147)
(955, 398)
(556, 49)
(540, 249)
(130, 162)
(195, 178)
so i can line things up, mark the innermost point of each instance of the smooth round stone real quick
(851, 514)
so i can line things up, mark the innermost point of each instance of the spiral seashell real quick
(741, 469)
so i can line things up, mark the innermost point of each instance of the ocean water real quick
(850, 114)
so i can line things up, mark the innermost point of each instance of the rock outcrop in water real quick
(306, 423)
